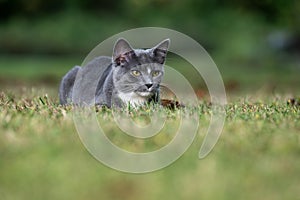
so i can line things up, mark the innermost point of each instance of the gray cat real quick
(131, 76)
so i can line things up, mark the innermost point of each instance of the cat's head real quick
(138, 71)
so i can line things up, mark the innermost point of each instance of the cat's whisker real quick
(128, 91)
(131, 84)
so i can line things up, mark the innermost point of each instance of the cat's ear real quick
(121, 48)
(160, 51)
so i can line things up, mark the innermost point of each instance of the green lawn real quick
(255, 158)
(42, 157)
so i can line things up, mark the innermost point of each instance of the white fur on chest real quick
(133, 99)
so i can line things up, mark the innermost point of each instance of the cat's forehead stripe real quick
(143, 55)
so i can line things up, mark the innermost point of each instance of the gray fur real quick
(66, 86)
(131, 76)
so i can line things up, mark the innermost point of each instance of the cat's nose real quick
(149, 85)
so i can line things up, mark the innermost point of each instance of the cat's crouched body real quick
(131, 76)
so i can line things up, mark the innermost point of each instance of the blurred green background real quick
(255, 44)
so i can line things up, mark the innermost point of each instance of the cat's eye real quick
(135, 73)
(155, 73)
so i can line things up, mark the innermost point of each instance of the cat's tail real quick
(66, 86)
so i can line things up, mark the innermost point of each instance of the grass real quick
(41, 155)
(255, 158)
